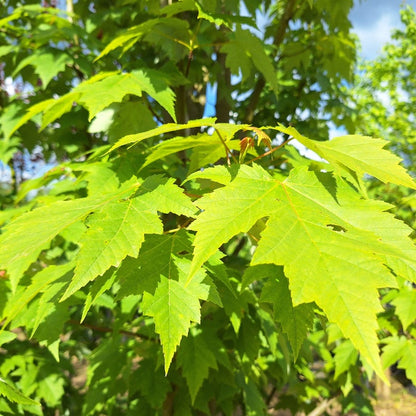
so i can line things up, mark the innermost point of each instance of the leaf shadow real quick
(329, 182)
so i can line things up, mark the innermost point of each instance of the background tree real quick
(128, 279)
(382, 99)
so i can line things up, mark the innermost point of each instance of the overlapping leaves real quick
(117, 226)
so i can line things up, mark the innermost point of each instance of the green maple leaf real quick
(206, 149)
(98, 94)
(408, 360)
(295, 320)
(332, 243)
(159, 26)
(47, 63)
(359, 154)
(102, 90)
(14, 395)
(403, 351)
(101, 285)
(133, 33)
(175, 305)
(40, 282)
(117, 228)
(405, 304)
(228, 20)
(345, 357)
(155, 259)
(20, 247)
(196, 358)
(164, 128)
(238, 206)
(6, 336)
(113, 224)
(246, 51)
(151, 382)
(32, 112)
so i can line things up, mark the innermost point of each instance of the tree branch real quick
(222, 107)
(279, 36)
(105, 329)
(270, 151)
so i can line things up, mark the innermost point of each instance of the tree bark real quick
(223, 107)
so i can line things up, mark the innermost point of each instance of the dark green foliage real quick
(170, 264)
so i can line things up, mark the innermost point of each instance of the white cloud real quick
(374, 37)
(9, 86)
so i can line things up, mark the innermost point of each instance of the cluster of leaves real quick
(173, 264)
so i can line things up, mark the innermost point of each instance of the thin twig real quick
(270, 151)
(322, 407)
(191, 52)
(182, 226)
(106, 330)
(152, 111)
(227, 150)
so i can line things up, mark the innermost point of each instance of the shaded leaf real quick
(295, 320)
(47, 63)
(405, 303)
(14, 395)
(156, 259)
(174, 306)
(118, 229)
(345, 357)
(246, 52)
(196, 358)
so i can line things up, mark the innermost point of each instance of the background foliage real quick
(173, 263)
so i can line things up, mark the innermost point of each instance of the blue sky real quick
(373, 22)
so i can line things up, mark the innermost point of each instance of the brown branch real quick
(106, 329)
(222, 106)
(239, 247)
(254, 99)
(279, 36)
(322, 407)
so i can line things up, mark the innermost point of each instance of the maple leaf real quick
(207, 148)
(174, 305)
(345, 357)
(357, 154)
(196, 357)
(244, 52)
(403, 351)
(405, 303)
(20, 248)
(98, 92)
(40, 282)
(164, 128)
(332, 243)
(295, 320)
(245, 144)
(142, 274)
(14, 395)
(47, 63)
